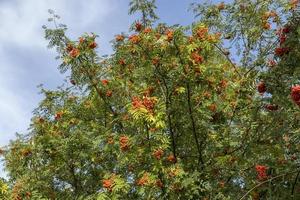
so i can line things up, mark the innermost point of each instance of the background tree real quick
(147, 10)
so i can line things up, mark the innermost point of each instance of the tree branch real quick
(199, 146)
(266, 181)
(229, 60)
(295, 182)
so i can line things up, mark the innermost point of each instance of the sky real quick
(25, 61)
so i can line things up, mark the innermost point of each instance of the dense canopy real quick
(205, 111)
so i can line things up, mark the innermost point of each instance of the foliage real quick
(170, 114)
(4, 190)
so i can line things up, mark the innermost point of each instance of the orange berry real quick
(58, 115)
(26, 152)
(122, 62)
(147, 30)
(272, 63)
(223, 83)
(152, 129)
(222, 184)
(124, 143)
(155, 61)
(119, 38)
(273, 13)
(28, 194)
(267, 26)
(207, 95)
(134, 39)
(294, 4)
(221, 6)
(213, 107)
(81, 40)
(202, 33)
(93, 45)
(158, 154)
(109, 93)
(74, 53)
(69, 47)
(138, 26)
(130, 168)
(157, 35)
(143, 180)
(104, 82)
(170, 35)
(261, 87)
(110, 140)
(159, 183)
(41, 120)
(171, 158)
(197, 58)
(107, 183)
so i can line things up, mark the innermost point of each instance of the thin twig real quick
(295, 182)
(229, 60)
(266, 181)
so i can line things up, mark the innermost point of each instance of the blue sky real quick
(25, 61)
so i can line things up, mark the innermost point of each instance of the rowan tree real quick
(207, 111)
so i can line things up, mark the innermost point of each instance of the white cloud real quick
(13, 116)
(14, 104)
(21, 20)
(21, 32)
